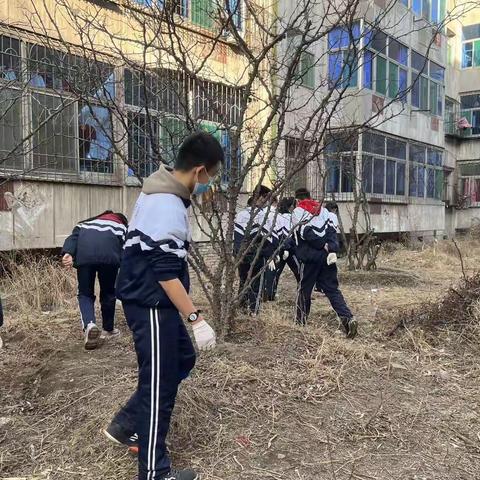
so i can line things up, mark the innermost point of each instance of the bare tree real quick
(272, 83)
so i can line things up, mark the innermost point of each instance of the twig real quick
(461, 259)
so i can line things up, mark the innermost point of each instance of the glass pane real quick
(376, 40)
(381, 76)
(402, 85)
(426, 9)
(437, 72)
(173, 131)
(439, 184)
(476, 122)
(412, 181)
(400, 178)
(421, 182)
(341, 141)
(367, 70)
(433, 98)
(419, 62)
(335, 67)
(435, 11)
(430, 183)
(471, 32)
(423, 93)
(417, 153)
(398, 52)
(53, 134)
(307, 70)
(392, 80)
(467, 55)
(417, 7)
(95, 139)
(350, 74)
(11, 137)
(142, 145)
(202, 13)
(434, 157)
(10, 69)
(333, 176)
(415, 90)
(378, 175)
(373, 143)
(338, 38)
(390, 180)
(476, 53)
(348, 174)
(470, 101)
(367, 174)
(396, 148)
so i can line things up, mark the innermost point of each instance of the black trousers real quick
(107, 275)
(165, 356)
(308, 277)
(272, 278)
(327, 282)
(252, 298)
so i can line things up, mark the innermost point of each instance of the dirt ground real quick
(276, 401)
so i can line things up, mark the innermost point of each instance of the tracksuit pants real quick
(272, 278)
(107, 275)
(165, 356)
(252, 298)
(308, 277)
(327, 282)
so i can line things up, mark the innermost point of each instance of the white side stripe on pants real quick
(152, 378)
(157, 390)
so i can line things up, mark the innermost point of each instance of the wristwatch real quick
(193, 317)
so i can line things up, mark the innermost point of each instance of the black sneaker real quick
(181, 475)
(351, 326)
(117, 434)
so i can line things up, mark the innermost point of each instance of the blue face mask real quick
(201, 188)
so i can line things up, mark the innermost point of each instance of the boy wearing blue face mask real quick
(153, 284)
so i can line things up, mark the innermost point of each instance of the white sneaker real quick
(92, 335)
(106, 334)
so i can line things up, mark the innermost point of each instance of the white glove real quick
(204, 335)
(286, 254)
(271, 265)
(331, 258)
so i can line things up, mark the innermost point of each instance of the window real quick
(471, 46)
(385, 70)
(427, 85)
(470, 105)
(9, 59)
(297, 178)
(469, 173)
(426, 172)
(340, 153)
(234, 9)
(307, 70)
(343, 44)
(11, 134)
(384, 166)
(142, 150)
(53, 134)
(202, 13)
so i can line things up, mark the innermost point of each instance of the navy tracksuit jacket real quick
(252, 226)
(96, 247)
(283, 228)
(312, 234)
(155, 250)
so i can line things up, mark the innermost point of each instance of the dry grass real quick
(275, 402)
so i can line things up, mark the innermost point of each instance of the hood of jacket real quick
(310, 205)
(163, 181)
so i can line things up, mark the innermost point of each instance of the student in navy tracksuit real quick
(285, 236)
(153, 284)
(254, 231)
(327, 281)
(95, 248)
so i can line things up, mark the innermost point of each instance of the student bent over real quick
(153, 285)
(94, 248)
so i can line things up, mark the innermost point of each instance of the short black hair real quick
(261, 191)
(197, 150)
(302, 193)
(331, 206)
(286, 204)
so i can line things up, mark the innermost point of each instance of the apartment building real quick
(88, 102)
